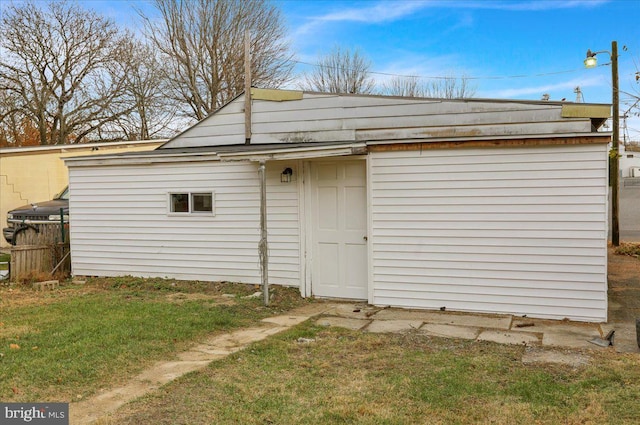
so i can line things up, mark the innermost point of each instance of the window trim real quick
(191, 212)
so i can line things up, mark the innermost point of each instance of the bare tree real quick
(340, 71)
(145, 90)
(442, 88)
(408, 86)
(202, 47)
(58, 65)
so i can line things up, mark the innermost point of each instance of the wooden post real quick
(263, 248)
(247, 88)
(615, 162)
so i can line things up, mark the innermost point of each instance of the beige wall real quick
(36, 174)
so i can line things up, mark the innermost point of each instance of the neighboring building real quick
(37, 173)
(496, 206)
(630, 160)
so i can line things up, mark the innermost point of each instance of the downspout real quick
(263, 247)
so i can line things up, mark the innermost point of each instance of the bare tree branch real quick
(443, 88)
(340, 71)
(201, 45)
(56, 64)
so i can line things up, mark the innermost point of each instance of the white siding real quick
(325, 117)
(500, 230)
(120, 224)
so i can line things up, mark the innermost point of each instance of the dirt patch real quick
(25, 295)
(572, 358)
(624, 287)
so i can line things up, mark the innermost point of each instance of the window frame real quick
(190, 203)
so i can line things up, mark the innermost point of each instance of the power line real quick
(495, 77)
(504, 77)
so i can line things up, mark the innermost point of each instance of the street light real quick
(591, 62)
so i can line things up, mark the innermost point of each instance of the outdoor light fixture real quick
(614, 155)
(591, 61)
(285, 177)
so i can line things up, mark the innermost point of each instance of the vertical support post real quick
(263, 247)
(247, 88)
(615, 161)
(62, 225)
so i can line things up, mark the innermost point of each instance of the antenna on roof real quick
(579, 97)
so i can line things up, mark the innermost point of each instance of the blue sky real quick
(517, 49)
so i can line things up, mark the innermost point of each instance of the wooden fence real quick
(40, 249)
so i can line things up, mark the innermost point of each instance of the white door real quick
(339, 229)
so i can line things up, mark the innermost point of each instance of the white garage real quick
(473, 205)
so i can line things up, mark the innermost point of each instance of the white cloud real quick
(539, 90)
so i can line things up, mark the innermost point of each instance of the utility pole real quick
(614, 154)
(615, 161)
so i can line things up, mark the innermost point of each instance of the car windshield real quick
(63, 195)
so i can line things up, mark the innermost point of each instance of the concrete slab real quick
(353, 310)
(209, 356)
(343, 322)
(393, 326)
(168, 371)
(509, 337)
(446, 318)
(450, 331)
(285, 320)
(625, 339)
(561, 333)
(536, 355)
(313, 309)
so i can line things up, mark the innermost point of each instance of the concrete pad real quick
(446, 318)
(561, 333)
(313, 309)
(393, 326)
(168, 371)
(450, 331)
(570, 358)
(195, 356)
(286, 321)
(625, 339)
(343, 322)
(509, 337)
(353, 310)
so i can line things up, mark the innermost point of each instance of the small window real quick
(202, 202)
(180, 202)
(191, 203)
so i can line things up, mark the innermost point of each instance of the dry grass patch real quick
(361, 378)
(64, 344)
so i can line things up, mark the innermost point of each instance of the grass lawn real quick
(346, 377)
(65, 344)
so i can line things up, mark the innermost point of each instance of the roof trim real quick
(77, 146)
(264, 152)
(306, 152)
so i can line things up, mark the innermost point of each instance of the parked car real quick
(37, 213)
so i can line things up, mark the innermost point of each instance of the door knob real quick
(365, 238)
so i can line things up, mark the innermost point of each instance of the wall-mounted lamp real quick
(285, 177)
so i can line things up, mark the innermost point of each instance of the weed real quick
(631, 249)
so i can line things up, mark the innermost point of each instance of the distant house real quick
(495, 206)
(36, 173)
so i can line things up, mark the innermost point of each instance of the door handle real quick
(365, 238)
